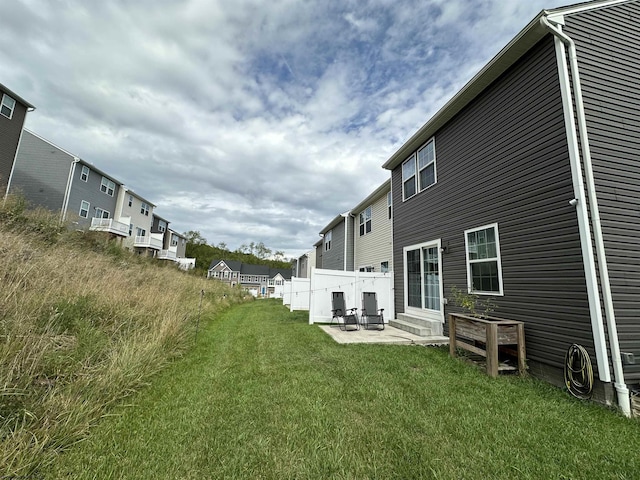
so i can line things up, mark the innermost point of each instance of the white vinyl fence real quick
(353, 284)
(286, 293)
(299, 296)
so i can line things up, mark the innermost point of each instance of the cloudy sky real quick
(247, 120)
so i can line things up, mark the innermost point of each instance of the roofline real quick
(15, 96)
(335, 222)
(377, 193)
(161, 218)
(509, 55)
(76, 158)
(140, 197)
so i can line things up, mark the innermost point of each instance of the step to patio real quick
(417, 326)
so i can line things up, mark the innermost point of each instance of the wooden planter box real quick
(492, 333)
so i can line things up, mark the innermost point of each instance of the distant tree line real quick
(252, 253)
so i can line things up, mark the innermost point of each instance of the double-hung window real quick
(107, 186)
(84, 175)
(162, 226)
(130, 200)
(144, 209)
(427, 165)
(484, 269)
(7, 106)
(84, 209)
(327, 240)
(409, 177)
(365, 221)
(140, 232)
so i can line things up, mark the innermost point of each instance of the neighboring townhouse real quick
(318, 249)
(304, 264)
(161, 226)
(53, 178)
(138, 212)
(13, 112)
(525, 188)
(373, 232)
(337, 243)
(176, 250)
(260, 280)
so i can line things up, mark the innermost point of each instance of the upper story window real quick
(144, 209)
(162, 225)
(365, 221)
(84, 175)
(484, 269)
(384, 267)
(130, 200)
(84, 209)
(327, 240)
(409, 177)
(140, 232)
(100, 213)
(389, 204)
(174, 241)
(427, 165)
(107, 186)
(419, 170)
(130, 229)
(8, 106)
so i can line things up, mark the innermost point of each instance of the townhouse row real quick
(86, 196)
(524, 188)
(259, 280)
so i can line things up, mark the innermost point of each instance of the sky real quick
(247, 120)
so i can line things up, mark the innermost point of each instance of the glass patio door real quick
(423, 279)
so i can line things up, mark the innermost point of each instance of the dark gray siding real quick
(608, 44)
(41, 172)
(318, 254)
(504, 160)
(9, 136)
(333, 259)
(90, 192)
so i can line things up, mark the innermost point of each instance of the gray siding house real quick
(51, 177)
(13, 112)
(337, 244)
(525, 187)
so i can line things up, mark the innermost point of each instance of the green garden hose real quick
(578, 373)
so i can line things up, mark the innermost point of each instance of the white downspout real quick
(346, 236)
(67, 192)
(620, 385)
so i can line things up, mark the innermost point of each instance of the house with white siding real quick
(372, 229)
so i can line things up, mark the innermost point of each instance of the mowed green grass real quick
(265, 395)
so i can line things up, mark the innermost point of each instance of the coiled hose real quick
(578, 373)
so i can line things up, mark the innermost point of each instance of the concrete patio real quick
(389, 336)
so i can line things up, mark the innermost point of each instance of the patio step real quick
(417, 326)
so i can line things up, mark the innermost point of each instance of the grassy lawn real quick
(265, 395)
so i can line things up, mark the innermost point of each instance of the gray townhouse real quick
(53, 178)
(336, 245)
(525, 188)
(13, 112)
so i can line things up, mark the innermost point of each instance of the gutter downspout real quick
(620, 385)
(346, 236)
(67, 192)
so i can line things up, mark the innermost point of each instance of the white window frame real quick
(384, 267)
(85, 209)
(411, 161)
(130, 200)
(327, 241)
(107, 186)
(389, 205)
(144, 209)
(84, 174)
(432, 145)
(365, 221)
(102, 213)
(6, 103)
(497, 259)
(130, 229)
(141, 232)
(162, 226)
(424, 312)
(366, 268)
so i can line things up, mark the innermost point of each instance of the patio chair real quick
(371, 314)
(339, 311)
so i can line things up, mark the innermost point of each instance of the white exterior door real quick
(423, 280)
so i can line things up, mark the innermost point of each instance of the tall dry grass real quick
(83, 324)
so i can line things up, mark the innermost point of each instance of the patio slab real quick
(388, 336)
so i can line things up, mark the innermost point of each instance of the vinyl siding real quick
(333, 259)
(374, 247)
(9, 136)
(608, 45)
(90, 192)
(41, 172)
(504, 159)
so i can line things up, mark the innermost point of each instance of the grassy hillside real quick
(83, 324)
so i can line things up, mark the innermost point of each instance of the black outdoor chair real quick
(371, 314)
(339, 311)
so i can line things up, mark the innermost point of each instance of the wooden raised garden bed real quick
(485, 336)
